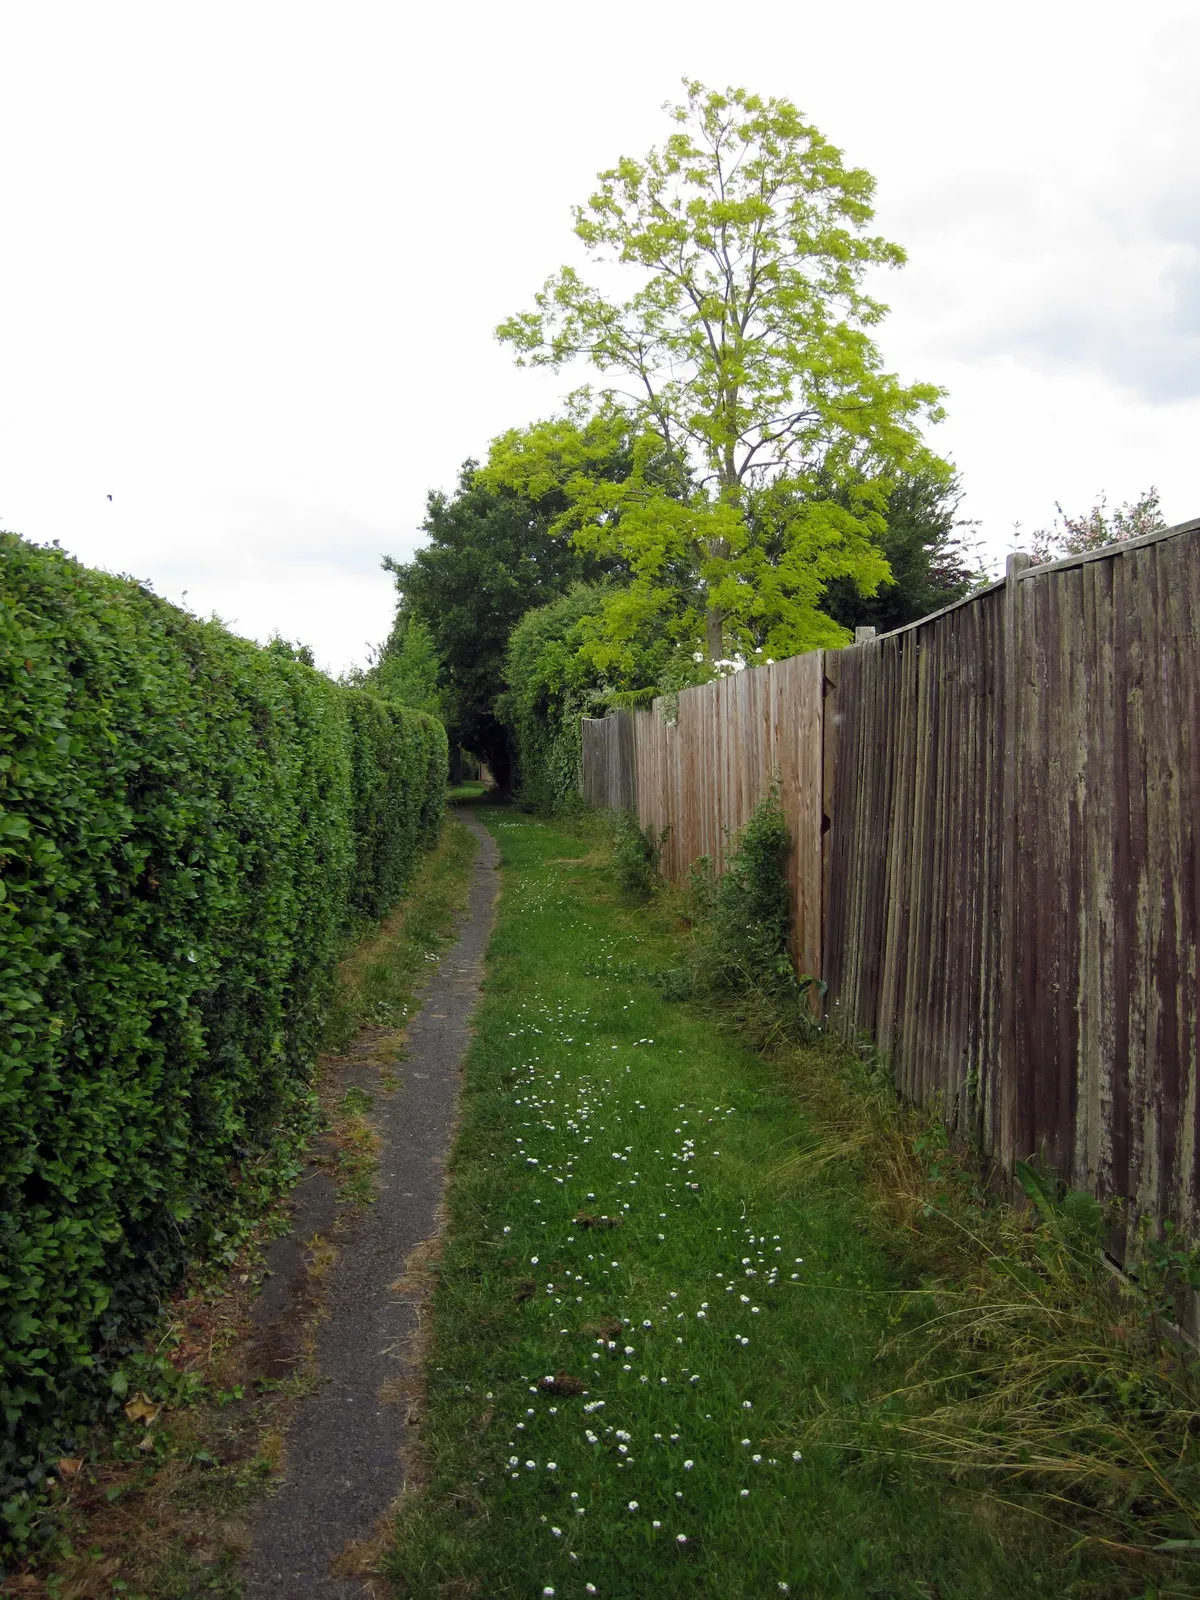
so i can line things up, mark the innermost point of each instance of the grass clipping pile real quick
(1036, 1371)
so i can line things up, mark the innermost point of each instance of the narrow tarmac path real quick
(344, 1452)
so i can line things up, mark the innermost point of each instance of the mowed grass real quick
(638, 1314)
(470, 789)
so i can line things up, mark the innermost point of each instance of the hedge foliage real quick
(550, 690)
(190, 828)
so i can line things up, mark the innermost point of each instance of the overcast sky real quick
(251, 256)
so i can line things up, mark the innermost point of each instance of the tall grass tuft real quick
(1042, 1370)
(1034, 1371)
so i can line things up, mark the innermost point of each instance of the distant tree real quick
(1075, 536)
(925, 553)
(407, 666)
(745, 344)
(489, 560)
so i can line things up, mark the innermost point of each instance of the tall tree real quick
(490, 558)
(930, 566)
(746, 349)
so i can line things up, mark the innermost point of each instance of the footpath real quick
(345, 1452)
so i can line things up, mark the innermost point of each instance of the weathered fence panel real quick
(1105, 1024)
(1012, 900)
(609, 775)
(996, 820)
(913, 922)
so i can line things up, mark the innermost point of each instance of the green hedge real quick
(190, 827)
(549, 691)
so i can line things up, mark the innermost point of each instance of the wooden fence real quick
(996, 816)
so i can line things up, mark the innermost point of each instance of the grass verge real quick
(469, 790)
(659, 1283)
(156, 1507)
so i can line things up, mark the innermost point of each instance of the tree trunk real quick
(497, 752)
(714, 628)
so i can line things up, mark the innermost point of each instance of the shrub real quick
(190, 826)
(635, 855)
(742, 941)
(548, 694)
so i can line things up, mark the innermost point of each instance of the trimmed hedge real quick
(190, 828)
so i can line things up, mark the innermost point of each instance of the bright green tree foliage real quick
(745, 346)
(190, 826)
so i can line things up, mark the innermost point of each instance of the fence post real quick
(864, 634)
(830, 735)
(1007, 1063)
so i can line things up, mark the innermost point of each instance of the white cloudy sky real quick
(251, 255)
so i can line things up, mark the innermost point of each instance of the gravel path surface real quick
(344, 1452)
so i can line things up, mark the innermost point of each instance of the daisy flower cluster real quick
(632, 1408)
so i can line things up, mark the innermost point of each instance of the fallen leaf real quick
(70, 1466)
(562, 1383)
(140, 1409)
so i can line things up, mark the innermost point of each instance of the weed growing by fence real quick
(635, 855)
(738, 951)
(190, 826)
(743, 942)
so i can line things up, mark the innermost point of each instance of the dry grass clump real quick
(1040, 1371)
(1033, 1368)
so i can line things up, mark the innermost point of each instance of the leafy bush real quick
(189, 828)
(635, 855)
(547, 697)
(742, 941)
(560, 669)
